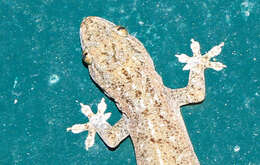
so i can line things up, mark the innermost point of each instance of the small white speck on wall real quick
(236, 148)
(246, 8)
(15, 82)
(15, 101)
(53, 79)
(141, 23)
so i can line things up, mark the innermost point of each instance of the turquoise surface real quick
(43, 79)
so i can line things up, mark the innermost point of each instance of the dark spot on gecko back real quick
(145, 112)
(138, 93)
(152, 140)
(157, 104)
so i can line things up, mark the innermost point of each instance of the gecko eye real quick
(121, 31)
(86, 57)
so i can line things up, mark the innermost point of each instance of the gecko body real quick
(121, 66)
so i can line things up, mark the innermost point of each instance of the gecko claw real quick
(77, 128)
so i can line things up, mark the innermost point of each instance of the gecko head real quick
(99, 38)
(103, 41)
(111, 53)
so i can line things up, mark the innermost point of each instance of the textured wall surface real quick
(43, 79)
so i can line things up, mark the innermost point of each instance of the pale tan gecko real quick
(121, 66)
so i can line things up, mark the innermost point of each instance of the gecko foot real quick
(96, 121)
(198, 62)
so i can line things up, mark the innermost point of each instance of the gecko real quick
(121, 66)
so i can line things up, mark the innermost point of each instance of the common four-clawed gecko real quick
(121, 66)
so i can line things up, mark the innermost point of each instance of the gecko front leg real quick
(195, 90)
(111, 135)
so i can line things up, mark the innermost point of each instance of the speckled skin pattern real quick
(121, 66)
